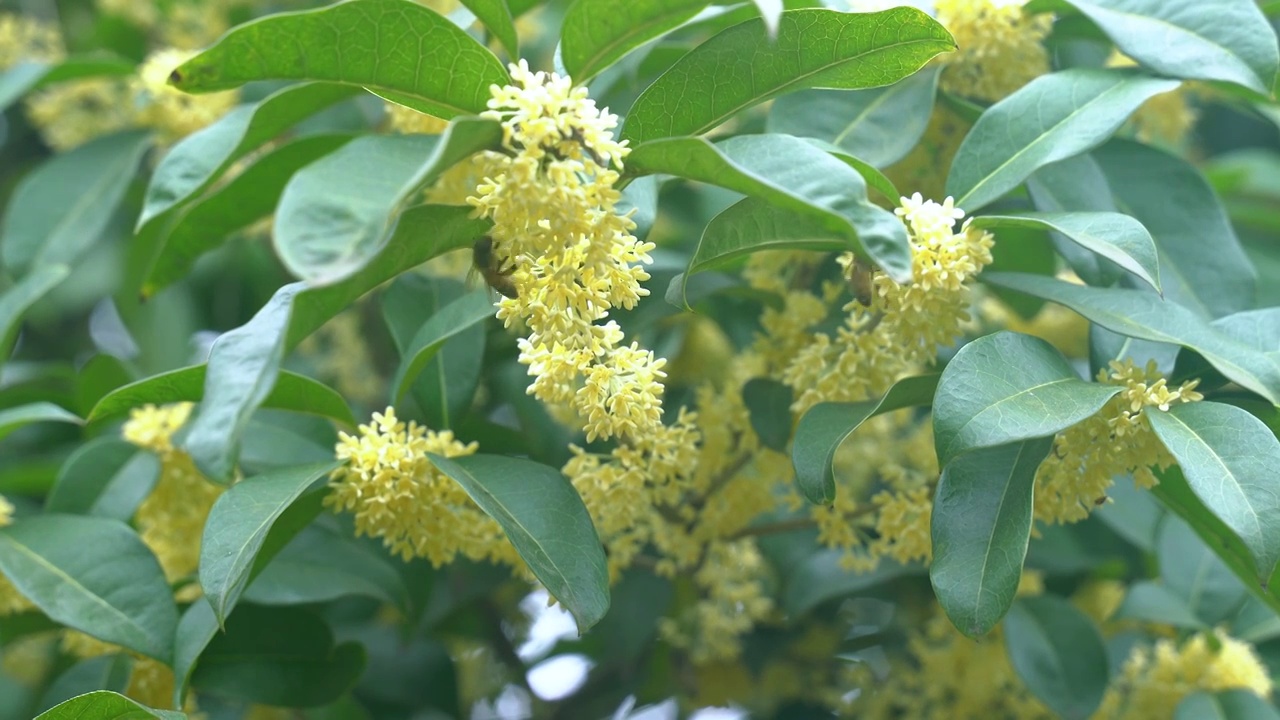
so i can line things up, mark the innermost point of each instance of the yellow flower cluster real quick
(1117, 440)
(24, 39)
(173, 113)
(394, 493)
(731, 583)
(1000, 47)
(571, 256)
(408, 121)
(171, 519)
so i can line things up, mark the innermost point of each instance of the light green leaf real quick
(875, 179)
(1058, 653)
(1227, 40)
(742, 66)
(447, 322)
(877, 126)
(107, 477)
(401, 50)
(825, 427)
(238, 525)
(1007, 387)
(1226, 705)
(61, 208)
(1143, 315)
(105, 705)
(1229, 458)
(38, 412)
(320, 565)
(1051, 118)
(545, 520)
(496, 16)
(1149, 601)
(981, 526)
(597, 33)
(1115, 236)
(337, 214)
(15, 300)
(26, 76)
(94, 575)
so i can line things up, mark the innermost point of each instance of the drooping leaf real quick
(447, 322)
(94, 575)
(1058, 653)
(1239, 704)
(338, 213)
(1049, 119)
(1150, 601)
(37, 412)
(15, 300)
(1228, 457)
(981, 526)
(360, 42)
(106, 477)
(545, 520)
(875, 179)
(824, 428)
(106, 705)
(597, 33)
(742, 66)
(1076, 184)
(496, 16)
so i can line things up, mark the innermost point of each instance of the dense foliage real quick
(629, 358)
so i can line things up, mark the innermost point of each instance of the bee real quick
(489, 266)
(862, 282)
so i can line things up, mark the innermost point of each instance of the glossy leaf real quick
(1049, 119)
(94, 575)
(60, 209)
(238, 525)
(1229, 457)
(1115, 236)
(1237, 704)
(320, 565)
(1058, 653)
(447, 322)
(1227, 40)
(877, 126)
(360, 42)
(597, 33)
(545, 520)
(338, 213)
(105, 705)
(38, 412)
(1007, 387)
(1143, 315)
(1149, 601)
(981, 526)
(496, 16)
(825, 427)
(742, 66)
(107, 477)
(15, 300)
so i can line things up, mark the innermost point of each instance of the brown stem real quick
(775, 528)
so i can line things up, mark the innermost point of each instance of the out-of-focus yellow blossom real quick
(571, 256)
(30, 658)
(193, 24)
(171, 519)
(143, 15)
(803, 670)
(705, 352)
(1116, 440)
(1100, 599)
(1000, 47)
(341, 355)
(72, 113)
(1155, 679)
(1059, 326)
(25, 39)
(394, 493)
(173, 113)
(151, 682)
(733, 601)
(408, 121)
(6, 512)
(1166, 118)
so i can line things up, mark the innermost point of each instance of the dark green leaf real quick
(742, 66)
(1021, 249)
(1225, 705)
(1051, 118)
(15, 300)
(238, 525)
(447, 322)
(1007, 387)
(94, 575)
(1058, 653)
(497, 17)
(822, 577)
(769, 404)
(824, 428)
(981, 526)
(338, 213)
(547, 523)
(106, 705)
(107, 477)
(37, 412)
(1153, 602)
(320, 565)
(597, 33)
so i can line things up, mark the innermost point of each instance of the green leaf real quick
(1007, 387)
(15, 300)
(1227, 40)
(742, 66)
(106, 477)
(320, 565)
(825, 427)
(547, 523)
(241, 372)
(821, 577)
(875, 179)
(1149, 601)
(1058, 653)
(205, 155)
(59, 209)
(1132, 513)
(421, 233)
(278, 656)
(38, 412)
(769, 405)
(291, 391)
(1211, 278)
(337, 214)
(196, 630)
(205, 224)
(1225, 705)
(105, 705)
(94, 575)
(1228, 457)
(791, 175)
(1143, 315)
(1115, 236)
(447, 322)
(1051, 118)
(1193, 572)
(878, 126)
(237, 527)
(771, 13)
(496, 16)
(26, 76)
(981, 526)
(105, 672)
(403, 51)
(597, 33)
(1076, 185)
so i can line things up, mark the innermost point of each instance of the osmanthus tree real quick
(820, 360)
